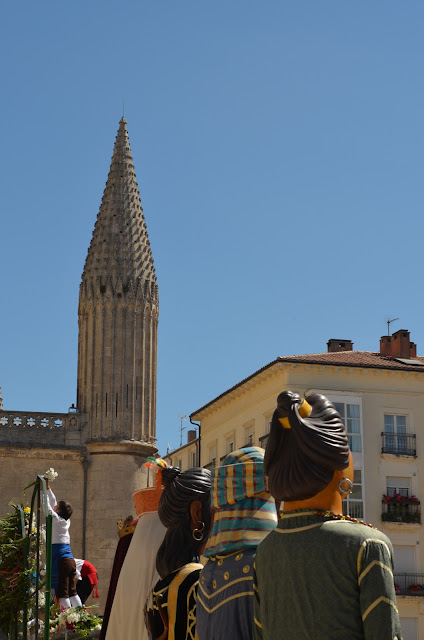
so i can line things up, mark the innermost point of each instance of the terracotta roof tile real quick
(355, 359)
(363, 359)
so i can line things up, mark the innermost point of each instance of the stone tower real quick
(117, 356)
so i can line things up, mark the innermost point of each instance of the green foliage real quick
(15, 582)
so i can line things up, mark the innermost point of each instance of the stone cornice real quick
(238, 390)
(38, 453)
(125, 447)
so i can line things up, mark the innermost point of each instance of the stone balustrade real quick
(35, 428)
(32, 419)
(39, 428)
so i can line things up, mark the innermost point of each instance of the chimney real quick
(398, 345)
(333, 345)
(191, 435)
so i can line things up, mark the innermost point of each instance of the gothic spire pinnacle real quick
(120, 253)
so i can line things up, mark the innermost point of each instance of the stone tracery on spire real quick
(120, 253)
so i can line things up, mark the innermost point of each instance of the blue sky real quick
(278, 148)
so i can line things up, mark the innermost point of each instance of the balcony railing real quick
(209, 466)
(409, 584)
(399, 444)
(400, 509)
(353, 508)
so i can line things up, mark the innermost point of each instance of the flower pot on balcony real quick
(416, 590)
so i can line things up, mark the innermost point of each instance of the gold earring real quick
(198, 532)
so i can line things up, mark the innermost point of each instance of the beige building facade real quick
(380, 397)
(188, 455)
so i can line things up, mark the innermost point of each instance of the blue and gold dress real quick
(245, 514)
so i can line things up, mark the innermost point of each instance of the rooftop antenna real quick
(389, 321)
(181, 418)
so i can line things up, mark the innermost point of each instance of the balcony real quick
(409, 584)
(209, 466)
(263, 440)
(399, 444)
(399, 508)
(353, 508)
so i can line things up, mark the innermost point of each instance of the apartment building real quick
(380, 398)
(188, 455)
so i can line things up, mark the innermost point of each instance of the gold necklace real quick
(338, 516)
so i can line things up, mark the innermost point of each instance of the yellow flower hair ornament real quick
(304, 411)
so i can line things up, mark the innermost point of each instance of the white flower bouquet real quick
(78, 620)
(50, 474)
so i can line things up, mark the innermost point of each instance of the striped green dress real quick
(318, 578)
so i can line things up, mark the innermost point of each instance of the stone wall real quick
(103, 474)
(31, 443)
(20, 467)
(113, 474)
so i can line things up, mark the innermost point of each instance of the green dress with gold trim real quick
(319, 578)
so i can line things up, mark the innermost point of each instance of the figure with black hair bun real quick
(319, 574)
(185, 511)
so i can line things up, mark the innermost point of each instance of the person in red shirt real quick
(89, 580)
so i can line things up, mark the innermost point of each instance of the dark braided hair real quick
(300, 461)
(180, 490)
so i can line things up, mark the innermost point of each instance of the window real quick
(409, 628)
(229, 446)
(398, 503)
(350, 414)
(249, 435)
(193, 461)
(404, 557)
(394, 423)
(395, 433)
(180, 464)
(353, 505)
(212, 456)
(400, 486)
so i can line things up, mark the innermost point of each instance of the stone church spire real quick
(118, 313)
(119, 253)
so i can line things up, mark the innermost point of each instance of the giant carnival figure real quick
(184, 509)
(138, 573)
(244, 515)
(319, 574)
